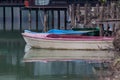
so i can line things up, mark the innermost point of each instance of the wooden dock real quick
(63, 16)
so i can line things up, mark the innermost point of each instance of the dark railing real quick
(18, 18)
(11, 2)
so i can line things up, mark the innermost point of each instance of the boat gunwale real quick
(71, 39)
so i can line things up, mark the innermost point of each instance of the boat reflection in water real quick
(45, 55)
(82, 65)
(79, 64)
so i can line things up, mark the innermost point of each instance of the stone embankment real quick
(115, 66)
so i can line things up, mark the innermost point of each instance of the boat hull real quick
(33, 55)
(68, 44)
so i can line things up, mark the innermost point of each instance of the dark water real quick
(12, 66)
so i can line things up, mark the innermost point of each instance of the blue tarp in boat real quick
(56, 31)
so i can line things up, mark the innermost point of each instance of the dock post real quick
(107, 15)
(58, 19)
(97, 10)
(72, 15)
(45, 21)
(113, 30)
(102, 12)
(78, 13)
(113, 7)
(101, 29)
(117, 13)
(85, 16)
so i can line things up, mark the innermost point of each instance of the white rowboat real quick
(44, 40)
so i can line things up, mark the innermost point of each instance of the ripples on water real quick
(13, 66)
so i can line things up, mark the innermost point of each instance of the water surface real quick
(13, 66)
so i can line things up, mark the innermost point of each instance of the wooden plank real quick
(45, 21)
(97, 10)
(36, 20)
(102, 13)
(113, 5)
(101, 29)
(65, 19)
(72, 15)
(58, 19)
(78, 13)
(85, 15)
(108, 9)
(113, 30)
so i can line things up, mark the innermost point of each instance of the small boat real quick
(42, 55)
(67, 40)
